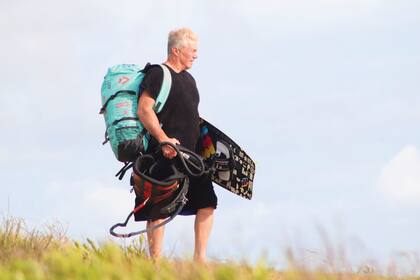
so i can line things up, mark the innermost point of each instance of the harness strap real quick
(188, 159)
(123, 170)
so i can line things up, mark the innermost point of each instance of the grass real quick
(49, 254)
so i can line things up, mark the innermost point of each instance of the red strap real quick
(141, 205)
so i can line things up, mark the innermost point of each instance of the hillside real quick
(49, 254)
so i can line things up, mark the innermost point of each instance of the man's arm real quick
(150, 121)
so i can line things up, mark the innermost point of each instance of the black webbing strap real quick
(132, 92)
(123, 170)
(124, 119)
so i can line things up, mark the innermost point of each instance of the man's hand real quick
(167, 150)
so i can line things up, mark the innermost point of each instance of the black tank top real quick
(179, 117)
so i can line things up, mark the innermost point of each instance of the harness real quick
(153, 190)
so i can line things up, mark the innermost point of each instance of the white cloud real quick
(400, 178)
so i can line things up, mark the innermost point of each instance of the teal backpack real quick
(120, 95)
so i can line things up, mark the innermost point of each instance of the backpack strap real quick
(164, 89)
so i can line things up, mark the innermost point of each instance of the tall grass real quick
(49, 254)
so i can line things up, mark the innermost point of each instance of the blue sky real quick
(324, 95)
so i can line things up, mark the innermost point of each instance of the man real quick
(178, 123)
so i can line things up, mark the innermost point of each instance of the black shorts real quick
(200, 195)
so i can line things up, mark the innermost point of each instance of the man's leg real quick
(155, 239)
(202, 227)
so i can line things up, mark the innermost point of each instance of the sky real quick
(322, 94)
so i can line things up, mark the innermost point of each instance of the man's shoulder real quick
(154, 71)
(152, 80)
(188, 76)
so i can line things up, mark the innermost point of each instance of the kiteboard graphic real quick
(232, 168)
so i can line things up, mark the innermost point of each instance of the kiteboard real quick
(230, 166)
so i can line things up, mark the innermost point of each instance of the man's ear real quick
(175, 51)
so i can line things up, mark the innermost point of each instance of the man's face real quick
(188, 54)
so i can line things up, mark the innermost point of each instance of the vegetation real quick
(49, 254)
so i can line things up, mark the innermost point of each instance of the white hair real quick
(180, 38)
